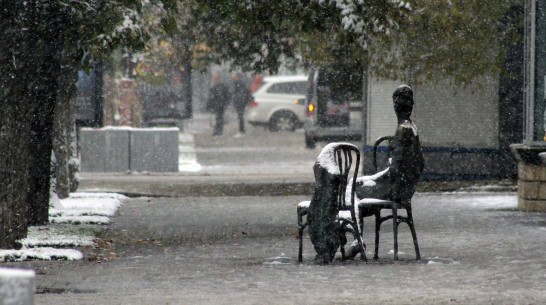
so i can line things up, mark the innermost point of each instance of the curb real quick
(184, 186)
(213, 189)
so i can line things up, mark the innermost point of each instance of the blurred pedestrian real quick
(240, 97)
(218, 100)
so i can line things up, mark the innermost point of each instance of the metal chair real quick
(370, 206)
(342, 159)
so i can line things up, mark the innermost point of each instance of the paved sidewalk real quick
(476, 248)
(227, 235)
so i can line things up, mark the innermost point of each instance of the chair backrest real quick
(374, 152)
(408, 188)
(332, 169)
(338, 159)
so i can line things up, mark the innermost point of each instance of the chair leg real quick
(361, 223)
(301, 226)
(361, 246)
(377, 229)
(356, 234)
(395, 231)
(342, 244)
(300, 253)
(413, 234)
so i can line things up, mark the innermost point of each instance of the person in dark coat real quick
(240, 97)
(218, 100)
(398, 181)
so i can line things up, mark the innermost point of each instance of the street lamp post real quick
(531, 169)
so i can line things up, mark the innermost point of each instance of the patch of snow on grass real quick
(49, 242)
(77, 220)
(45, 253)
(84, 207)
(43, 236)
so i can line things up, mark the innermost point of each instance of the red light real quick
(253, 104)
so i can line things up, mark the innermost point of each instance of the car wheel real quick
(309, 142)
(283, 121)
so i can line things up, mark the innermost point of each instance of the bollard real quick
(16, 286)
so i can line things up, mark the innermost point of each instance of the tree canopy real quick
(456, 39)
(417, 41)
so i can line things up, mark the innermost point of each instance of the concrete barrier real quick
(16, 286)
(120, 149)
(154, 149)
(104, 149)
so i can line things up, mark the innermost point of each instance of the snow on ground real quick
(487, 200)
(187, 160)
(66, 217)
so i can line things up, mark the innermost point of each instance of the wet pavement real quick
(241, 248)
(476, 249)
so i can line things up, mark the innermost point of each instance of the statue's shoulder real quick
(408, 128)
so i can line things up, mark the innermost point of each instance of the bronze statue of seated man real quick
(398, 181)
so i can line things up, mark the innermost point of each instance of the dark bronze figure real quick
(398, 181)
(324, 230)
(333, 170)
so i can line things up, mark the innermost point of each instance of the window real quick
(289, 88)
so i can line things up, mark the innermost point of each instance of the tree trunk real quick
(18, 66)
(185, 57)
(63, 129)
(42, 113)
(13, 168)
(185, 77)
(98, 89)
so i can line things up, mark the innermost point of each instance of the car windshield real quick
(342, 86)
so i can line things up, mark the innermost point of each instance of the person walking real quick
(218, 100)
(241, 97)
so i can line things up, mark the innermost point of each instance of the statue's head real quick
(403, 100)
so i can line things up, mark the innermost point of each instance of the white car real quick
(279, 103)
